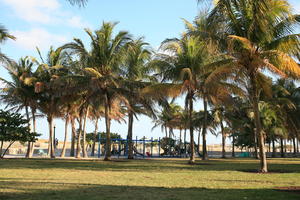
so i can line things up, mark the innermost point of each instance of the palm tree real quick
(78, 2)
(186, 64)
(19, 94)
(103, 61)
(70, 104)
(48, 87)
(217, 93)
(4, 35)
(259, 38)
(169, 118)
(135, 71)
(286, 102)
(262, 41)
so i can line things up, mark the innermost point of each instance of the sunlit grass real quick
(146, 179)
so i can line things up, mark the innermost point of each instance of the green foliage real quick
(13, 127)
(91, 137)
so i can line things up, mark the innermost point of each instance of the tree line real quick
(240, 59)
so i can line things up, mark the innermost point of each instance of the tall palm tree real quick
(102, 64)
(259, 34)
(188, 56)
(135, 71)
(19, 94)
(48, 87)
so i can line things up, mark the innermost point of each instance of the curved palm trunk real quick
(107, 124)
(192, 144)
(130, 135)
(51, 151)
(95, 138)
(259, 132)
(78, 144)
(204, 147)
(223, 140)
(73, 139)
(28, 153)
(63, 151)
(84, 151)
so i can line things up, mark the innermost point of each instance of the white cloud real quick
(37, 37)
(34, 10)
(77, 22)
(47, 12)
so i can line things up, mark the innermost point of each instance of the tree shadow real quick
(59, 191)
(242, 165)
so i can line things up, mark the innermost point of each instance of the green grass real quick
(146, 179)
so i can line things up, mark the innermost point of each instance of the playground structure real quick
(162, 147)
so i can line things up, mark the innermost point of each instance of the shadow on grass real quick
(90, 192)
(242, 165)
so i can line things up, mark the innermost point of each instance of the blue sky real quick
(44, 23)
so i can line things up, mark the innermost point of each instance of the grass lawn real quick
(147, 179)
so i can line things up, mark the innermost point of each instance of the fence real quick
(162, 147)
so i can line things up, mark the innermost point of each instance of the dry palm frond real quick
(159, 91)
(274, 69)
(283, 63)
(93, 72)
(246, 44)
(227, 68)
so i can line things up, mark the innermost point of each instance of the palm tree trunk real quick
(259, 132)
(63, 151)
(297, 145)
(223, 140)
(95, 137)
(84, 151)
(129, 136)
(184, 142)
(274, 149)
(281, 148)
(33, 111)
(73, 139)
(1, 147)
(51, 151)
(107, 124)
(78, 145)
(204, 147)
(192, 143)
(233, 147)
(255, 145)
(28, 153)
(294, 145)
(199, 135)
